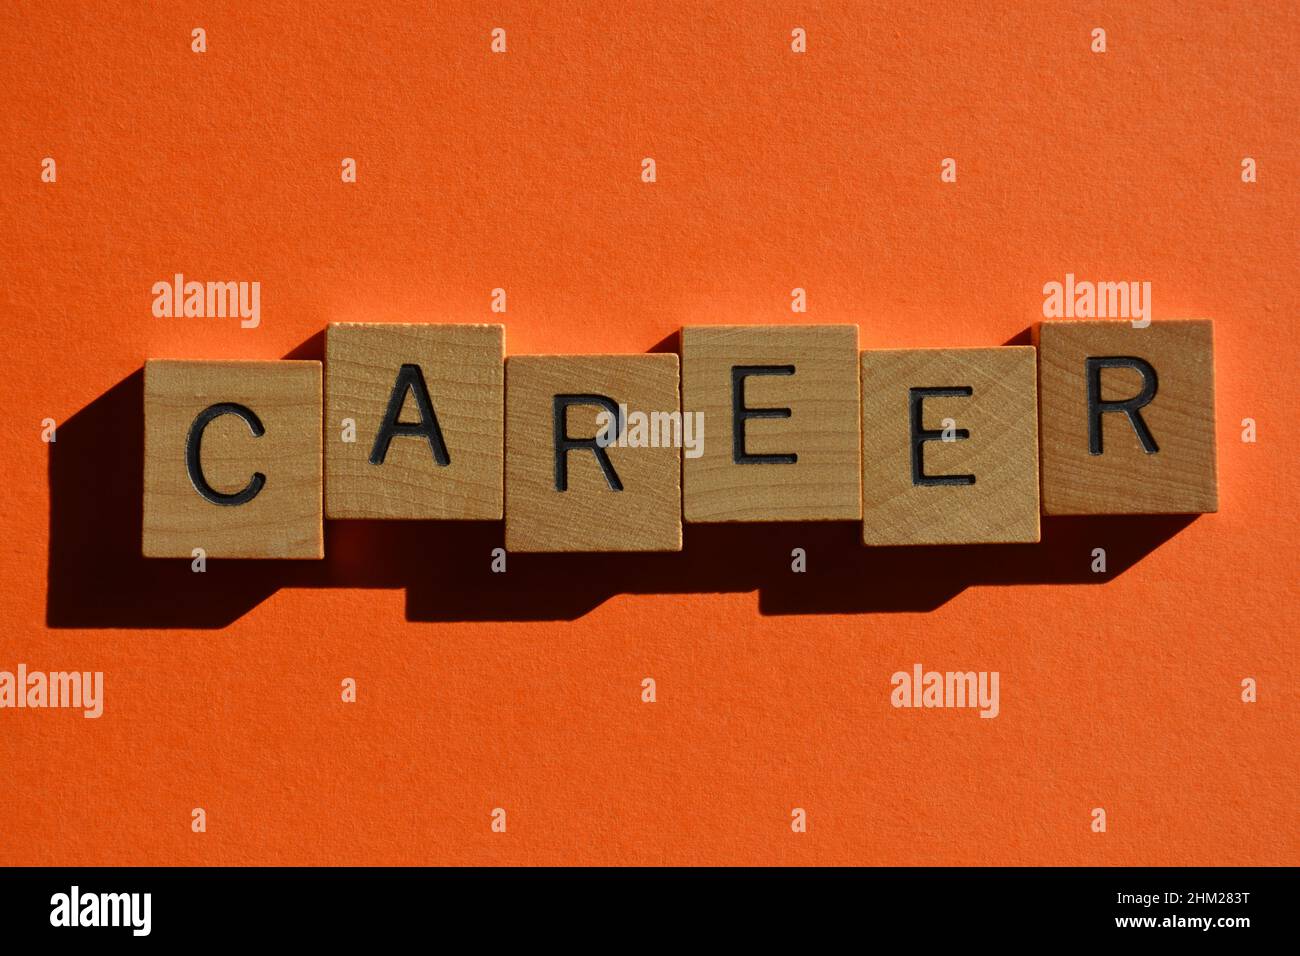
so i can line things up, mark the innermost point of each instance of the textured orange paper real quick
(521, 170)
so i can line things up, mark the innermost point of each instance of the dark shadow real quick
(842, 577)
(846, 578)
(98, 578)
(669, 344)
(312, 347)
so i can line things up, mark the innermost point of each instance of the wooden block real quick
(980, 485)
(782, 431)
(1127, 417)
(564, 492)
(428, 407)
(232, 459)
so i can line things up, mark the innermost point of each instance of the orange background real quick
(522, 691)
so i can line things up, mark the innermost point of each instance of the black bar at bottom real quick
(662, 907)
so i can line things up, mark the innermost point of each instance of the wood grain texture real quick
(283, 520)
(590, 515)
(1180, 477)
(463, 371)
(822, 431)
(1000, 451)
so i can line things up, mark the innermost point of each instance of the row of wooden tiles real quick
(787, 423)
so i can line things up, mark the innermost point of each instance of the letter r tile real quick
(567, 492)
(1127, 417)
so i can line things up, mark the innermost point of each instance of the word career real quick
(922, 446)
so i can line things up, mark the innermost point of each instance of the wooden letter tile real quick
(426, 404)
(949, 446)
(781, 424)
(232, 459)
(1127, 417)
(566, 493)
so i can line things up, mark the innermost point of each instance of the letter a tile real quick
(414, 416)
